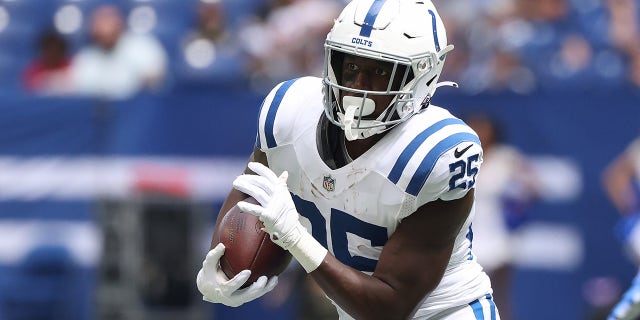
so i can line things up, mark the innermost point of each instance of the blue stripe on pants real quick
(478, 310)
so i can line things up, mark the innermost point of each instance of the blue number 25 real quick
(465, 173)
(341, 224)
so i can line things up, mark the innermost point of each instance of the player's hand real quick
(278, 213)
(276, 210)
(217, 288)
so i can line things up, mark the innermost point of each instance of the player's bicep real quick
(257, 156)
(414, 259)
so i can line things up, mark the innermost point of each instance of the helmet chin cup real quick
(353, 127)
(347, 121)
(368, 105)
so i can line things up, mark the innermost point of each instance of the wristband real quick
(307, 250)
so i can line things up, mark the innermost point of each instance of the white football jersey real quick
(353, 210)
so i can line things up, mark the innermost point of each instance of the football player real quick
(368, 185)
(621, 181)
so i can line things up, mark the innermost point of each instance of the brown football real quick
(248, 247)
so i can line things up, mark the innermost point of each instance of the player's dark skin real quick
(414, 259)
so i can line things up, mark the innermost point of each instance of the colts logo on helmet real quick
(329, 183)
(367, 43)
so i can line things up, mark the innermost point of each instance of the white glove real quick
(278, 213)
(217, 288)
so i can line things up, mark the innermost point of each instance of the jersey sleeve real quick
(281, 109)
(454, 173)
(435, 156)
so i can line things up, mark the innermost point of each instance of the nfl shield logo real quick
(329, 183)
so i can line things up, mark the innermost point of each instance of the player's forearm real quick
(364, 296)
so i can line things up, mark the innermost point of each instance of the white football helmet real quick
(406, 33)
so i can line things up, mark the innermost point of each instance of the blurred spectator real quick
(621, 180)
(504, 191)
(210, 52)
(49, 73)
(283, 43)
(522, 45)
(117, 64)
(624, 34)
(634, 68)
(555, 47)
(211, 23)
(623, 26)
(486, 35)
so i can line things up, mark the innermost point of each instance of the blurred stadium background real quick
(107, 204)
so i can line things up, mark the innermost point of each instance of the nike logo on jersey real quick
(458, 153)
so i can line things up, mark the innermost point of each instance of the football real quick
(248, 247)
